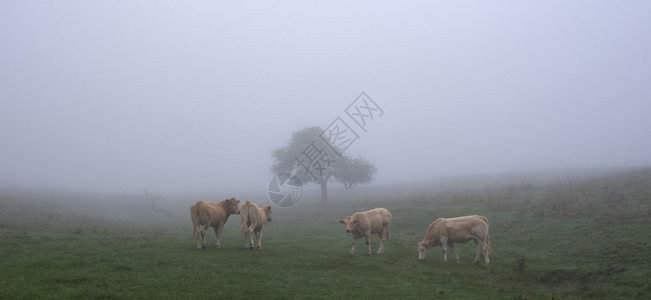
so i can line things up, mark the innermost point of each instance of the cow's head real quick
(349, 221)
(423, 249)
(267, 212)
(233, 205)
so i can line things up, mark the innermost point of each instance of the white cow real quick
(363, 224)
(444, 232)
(254, 218)
(211, 214)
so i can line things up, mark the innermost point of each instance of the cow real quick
(444, 232)
(363, 224)
(211, 214)
(254, 218)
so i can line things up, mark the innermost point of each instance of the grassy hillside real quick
(585, 237)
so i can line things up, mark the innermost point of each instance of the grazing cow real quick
(444, 232)
(363, 224)
(211, 214)
(254, 218)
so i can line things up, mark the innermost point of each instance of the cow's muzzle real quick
(347, 230)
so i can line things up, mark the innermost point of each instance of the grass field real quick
(568, 239)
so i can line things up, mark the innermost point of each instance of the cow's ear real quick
(341, 222)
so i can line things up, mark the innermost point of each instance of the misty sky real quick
(193, 96)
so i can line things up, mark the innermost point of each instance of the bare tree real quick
(151, 198)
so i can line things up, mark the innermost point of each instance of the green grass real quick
(579, 241)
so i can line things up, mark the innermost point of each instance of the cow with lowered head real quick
(363, 224)
(211, 214)
(445, 232)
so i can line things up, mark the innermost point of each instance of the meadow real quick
(581, 237)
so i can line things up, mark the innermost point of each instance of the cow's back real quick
(252, 213)
(195, 212)
(212, 213)
(465, 227)
(255, 214)
(378, 219)
(380, 214)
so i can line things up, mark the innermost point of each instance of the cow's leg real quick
(380, 250)
(218, 233)
(444, 246)
(368, 243)
(454, 251)
(258, 236)
(478, 246)
(197, 235)
(203, 236)
(485, 250)
(200, 239)
(352, 250)
(253, 237)
(252, 226)
(251, 231)
(248, 244)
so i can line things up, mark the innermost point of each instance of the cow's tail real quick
(194, 214)
(389, 228)
(488, 240)
(244, 213)
(488, 243)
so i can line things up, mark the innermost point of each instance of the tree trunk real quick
(324, 190)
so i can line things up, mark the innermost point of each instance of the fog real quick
(193, 97)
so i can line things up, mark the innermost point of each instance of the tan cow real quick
(254, 218)
(363, 224)
(211, 214)
(444, 232)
